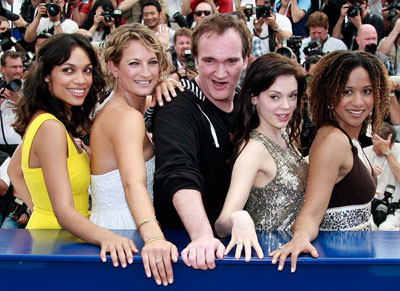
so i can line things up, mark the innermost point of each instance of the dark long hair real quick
(36, 95)
(259, 77)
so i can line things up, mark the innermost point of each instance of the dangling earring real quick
(331, 112)
(46, 80)
(253, 109)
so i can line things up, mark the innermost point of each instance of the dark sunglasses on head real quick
(200, 12)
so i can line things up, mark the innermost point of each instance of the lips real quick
(282, 117)
(78, 92)
(219, 85)
(355, 113)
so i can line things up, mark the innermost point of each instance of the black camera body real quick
(109, 15)
(352, 11)
(393, 7)
(28, 58)
(248, 10)
(263, 11)
(52, 8)
(314, 47)
(180, 19)
(189, 59)
(14, 85)
(8, 14)
(380, 208)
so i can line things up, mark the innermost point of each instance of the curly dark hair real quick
(36, 95)
(259, 77)
(329, 79)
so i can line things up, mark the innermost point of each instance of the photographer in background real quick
(390, 45)
(268, 26)
(318, 24)
(181, 57)
(49, 18)
(100, 22)
(12, 208)
(12, 69)
(384, 154)
(73, 11)
(367, 40)
(354, 14)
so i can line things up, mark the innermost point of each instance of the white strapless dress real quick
(109, 207)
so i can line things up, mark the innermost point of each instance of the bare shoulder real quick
(254, 153)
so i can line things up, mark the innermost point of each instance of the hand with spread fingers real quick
(165, 90)
(243, 236)
(293, 248)
(157, 255)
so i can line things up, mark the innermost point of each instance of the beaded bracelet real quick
(146, 221)
(154, 239)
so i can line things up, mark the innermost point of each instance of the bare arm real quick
(50, 149)
(186, 10)
(200, 253)
(330, 161)
(390, 40)
(17, 177)
(126, 4)
(337, 30)
(128, 138)
(384, 145)
(297, 13)
(394, 110)
(30, 33)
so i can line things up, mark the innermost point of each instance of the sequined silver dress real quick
(276, 206)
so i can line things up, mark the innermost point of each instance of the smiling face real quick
(138, 71)
(151, 16)
(220, 66)
(275, 106)
(357, 102)
(71, 81)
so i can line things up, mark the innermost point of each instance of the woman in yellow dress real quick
(60, 93)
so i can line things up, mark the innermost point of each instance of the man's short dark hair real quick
(10, 54)
(387, 130)
(153, 3)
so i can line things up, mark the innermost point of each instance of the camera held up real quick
(190, 63)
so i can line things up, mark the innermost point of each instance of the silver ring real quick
(239, 242)
(281, 247)
(158, 261)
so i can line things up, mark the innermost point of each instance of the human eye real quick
(367, 91)
(293, 96)
(67, 70)
(153, 62)
(209, 61)
(133, 63)
(347, 92)
(274, 97)
(88, 70)
(233, 61)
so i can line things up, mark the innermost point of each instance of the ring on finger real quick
(158, 260)
(281, 247)
(239, 242)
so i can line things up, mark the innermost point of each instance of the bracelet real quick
(154, 239)
(146, 221)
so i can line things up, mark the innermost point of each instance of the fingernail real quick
(280, 268)
(165, 283)
(130, 261)
(148, 275)
(161, 104)
(124, 265)
(273, 261)
(158, 282)
(175, 258)
(292, 270)
(115, 264)
(104, 260)
(170, 281)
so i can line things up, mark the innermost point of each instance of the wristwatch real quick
(387, 153)
(57, 23)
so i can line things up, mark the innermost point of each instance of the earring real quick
(331, 112)
(253, 109)
(46, 80)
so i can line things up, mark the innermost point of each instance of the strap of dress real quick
(31, 133)
(348, 137)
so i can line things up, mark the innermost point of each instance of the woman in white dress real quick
(122, 162)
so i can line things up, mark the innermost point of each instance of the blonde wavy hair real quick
(120, 39)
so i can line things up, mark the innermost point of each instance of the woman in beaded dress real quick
(269, 174)
(341, 181)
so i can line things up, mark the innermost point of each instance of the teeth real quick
(143, 82)
(77, 91)
(355, 112)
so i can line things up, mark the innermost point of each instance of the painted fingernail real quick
(280, 268)
(158, 282)
(273, 261)
(175, 258)
(170, 281)
(130, 261)
(165, 283)
(115, 264)
(123, 265)
(292, 270)
(148, 275)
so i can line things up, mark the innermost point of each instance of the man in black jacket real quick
(192, 139)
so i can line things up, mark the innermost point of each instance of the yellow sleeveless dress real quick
(43, 216)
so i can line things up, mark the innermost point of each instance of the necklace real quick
(125, 95)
